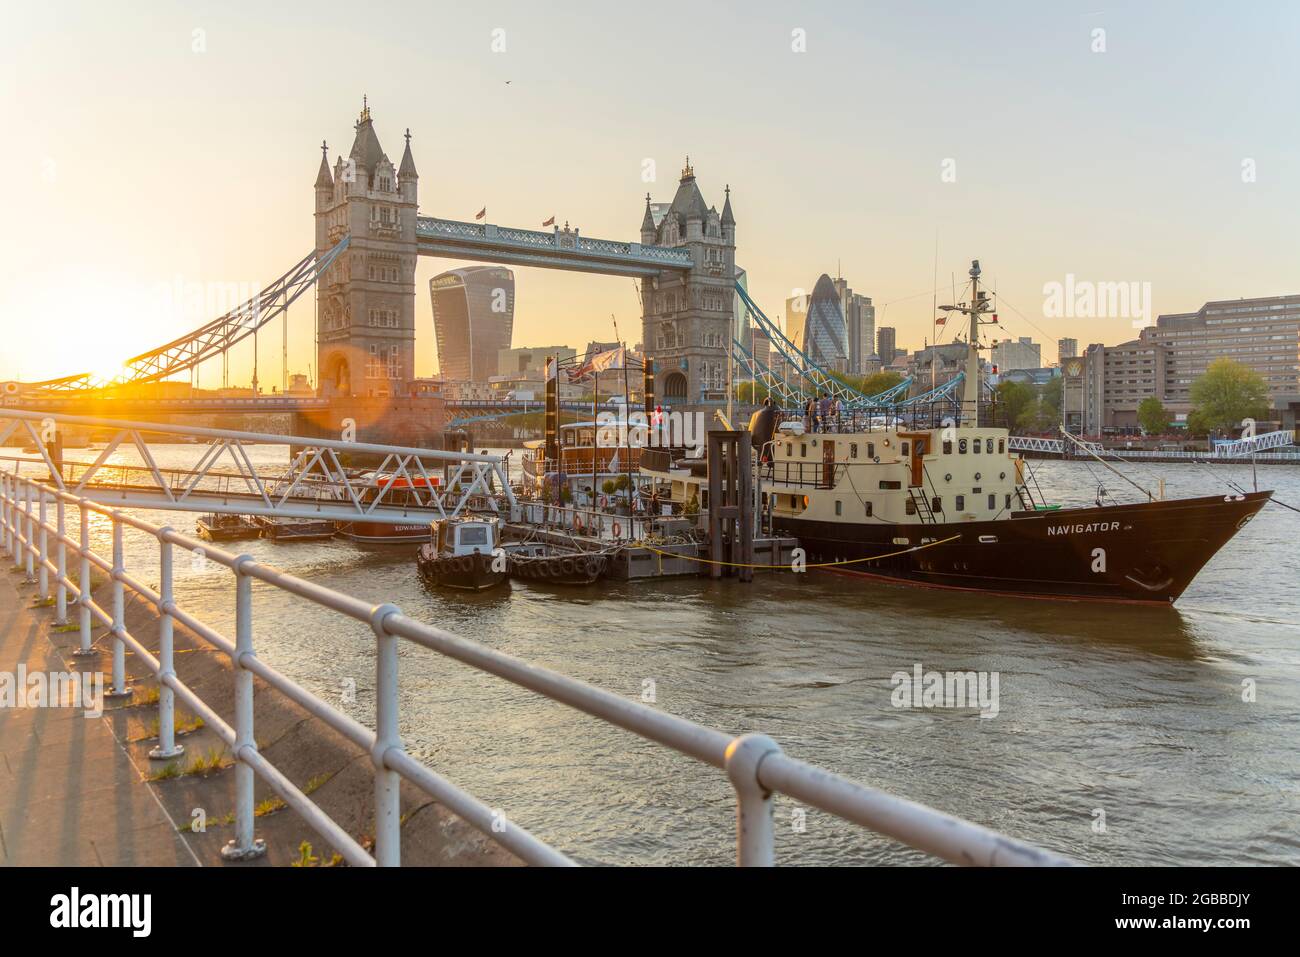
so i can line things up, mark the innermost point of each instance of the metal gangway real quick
(317, 483)
(33, 530)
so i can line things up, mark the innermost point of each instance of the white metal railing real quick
(754, 764)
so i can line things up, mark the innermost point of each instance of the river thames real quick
(1122, 734)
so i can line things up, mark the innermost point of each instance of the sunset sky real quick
(139, 165)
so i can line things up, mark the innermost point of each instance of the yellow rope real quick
(782, 567)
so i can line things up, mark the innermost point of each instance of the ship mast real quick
(979, 304)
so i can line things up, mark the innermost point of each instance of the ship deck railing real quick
(887, 418)
(33, 530)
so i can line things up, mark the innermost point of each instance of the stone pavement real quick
(70, 792)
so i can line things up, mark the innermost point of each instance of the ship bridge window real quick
(988, 446)
(907, 449)
(909, 507)
(871, 450)
(947, 446)
(868, 504)
(993, 501)
(839, 507)
(1002, 445)
(473, 535)
(890, 485)
(936, 504)
(789, 448)
(961, 446)
(961, 503)
(853, 450)
(803, 449)
(1008, 500)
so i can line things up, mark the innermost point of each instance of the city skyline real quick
(172, 219)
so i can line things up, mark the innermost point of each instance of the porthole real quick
(977, 476)
(948, 477)
(1002, 475)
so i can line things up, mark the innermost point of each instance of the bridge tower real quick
(365, 319)
(686, 318)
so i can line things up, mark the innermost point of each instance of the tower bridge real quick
(369, 237)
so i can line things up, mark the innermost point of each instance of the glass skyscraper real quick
(825, 337)
(473, 320)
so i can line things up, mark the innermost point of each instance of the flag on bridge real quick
(481, 213)
(549, 222)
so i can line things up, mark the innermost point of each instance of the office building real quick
(1022, 353)
(887, 345)
(825, 333)
(473, 320)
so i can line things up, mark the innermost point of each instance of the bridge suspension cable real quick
(804, 367)
(213, 338)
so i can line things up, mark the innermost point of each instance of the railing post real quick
(30, 534)
(754, 836)
(83, 583)
(388, 810)
(60, 563)
(43, 549)
(244, 846)
(167, 746)
(8, 494)
(4, 512)
(119, 689)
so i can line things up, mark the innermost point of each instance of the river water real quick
(1121, 737)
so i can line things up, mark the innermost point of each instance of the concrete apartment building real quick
(1066, 349)
(1262, 334)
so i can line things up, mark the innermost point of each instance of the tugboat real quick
(463, 553)
(928, 500)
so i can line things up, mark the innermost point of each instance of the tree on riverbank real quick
(1226, 395)
(1153, 416)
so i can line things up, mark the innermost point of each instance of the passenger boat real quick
(396, 491)
(219, 527)
(463, 553)
(555, 564)
(589, 456)
(936, 498)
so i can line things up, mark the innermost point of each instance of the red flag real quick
(941, 320)
(481, 213)
(549, 222)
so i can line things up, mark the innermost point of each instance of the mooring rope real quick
(782, 567)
